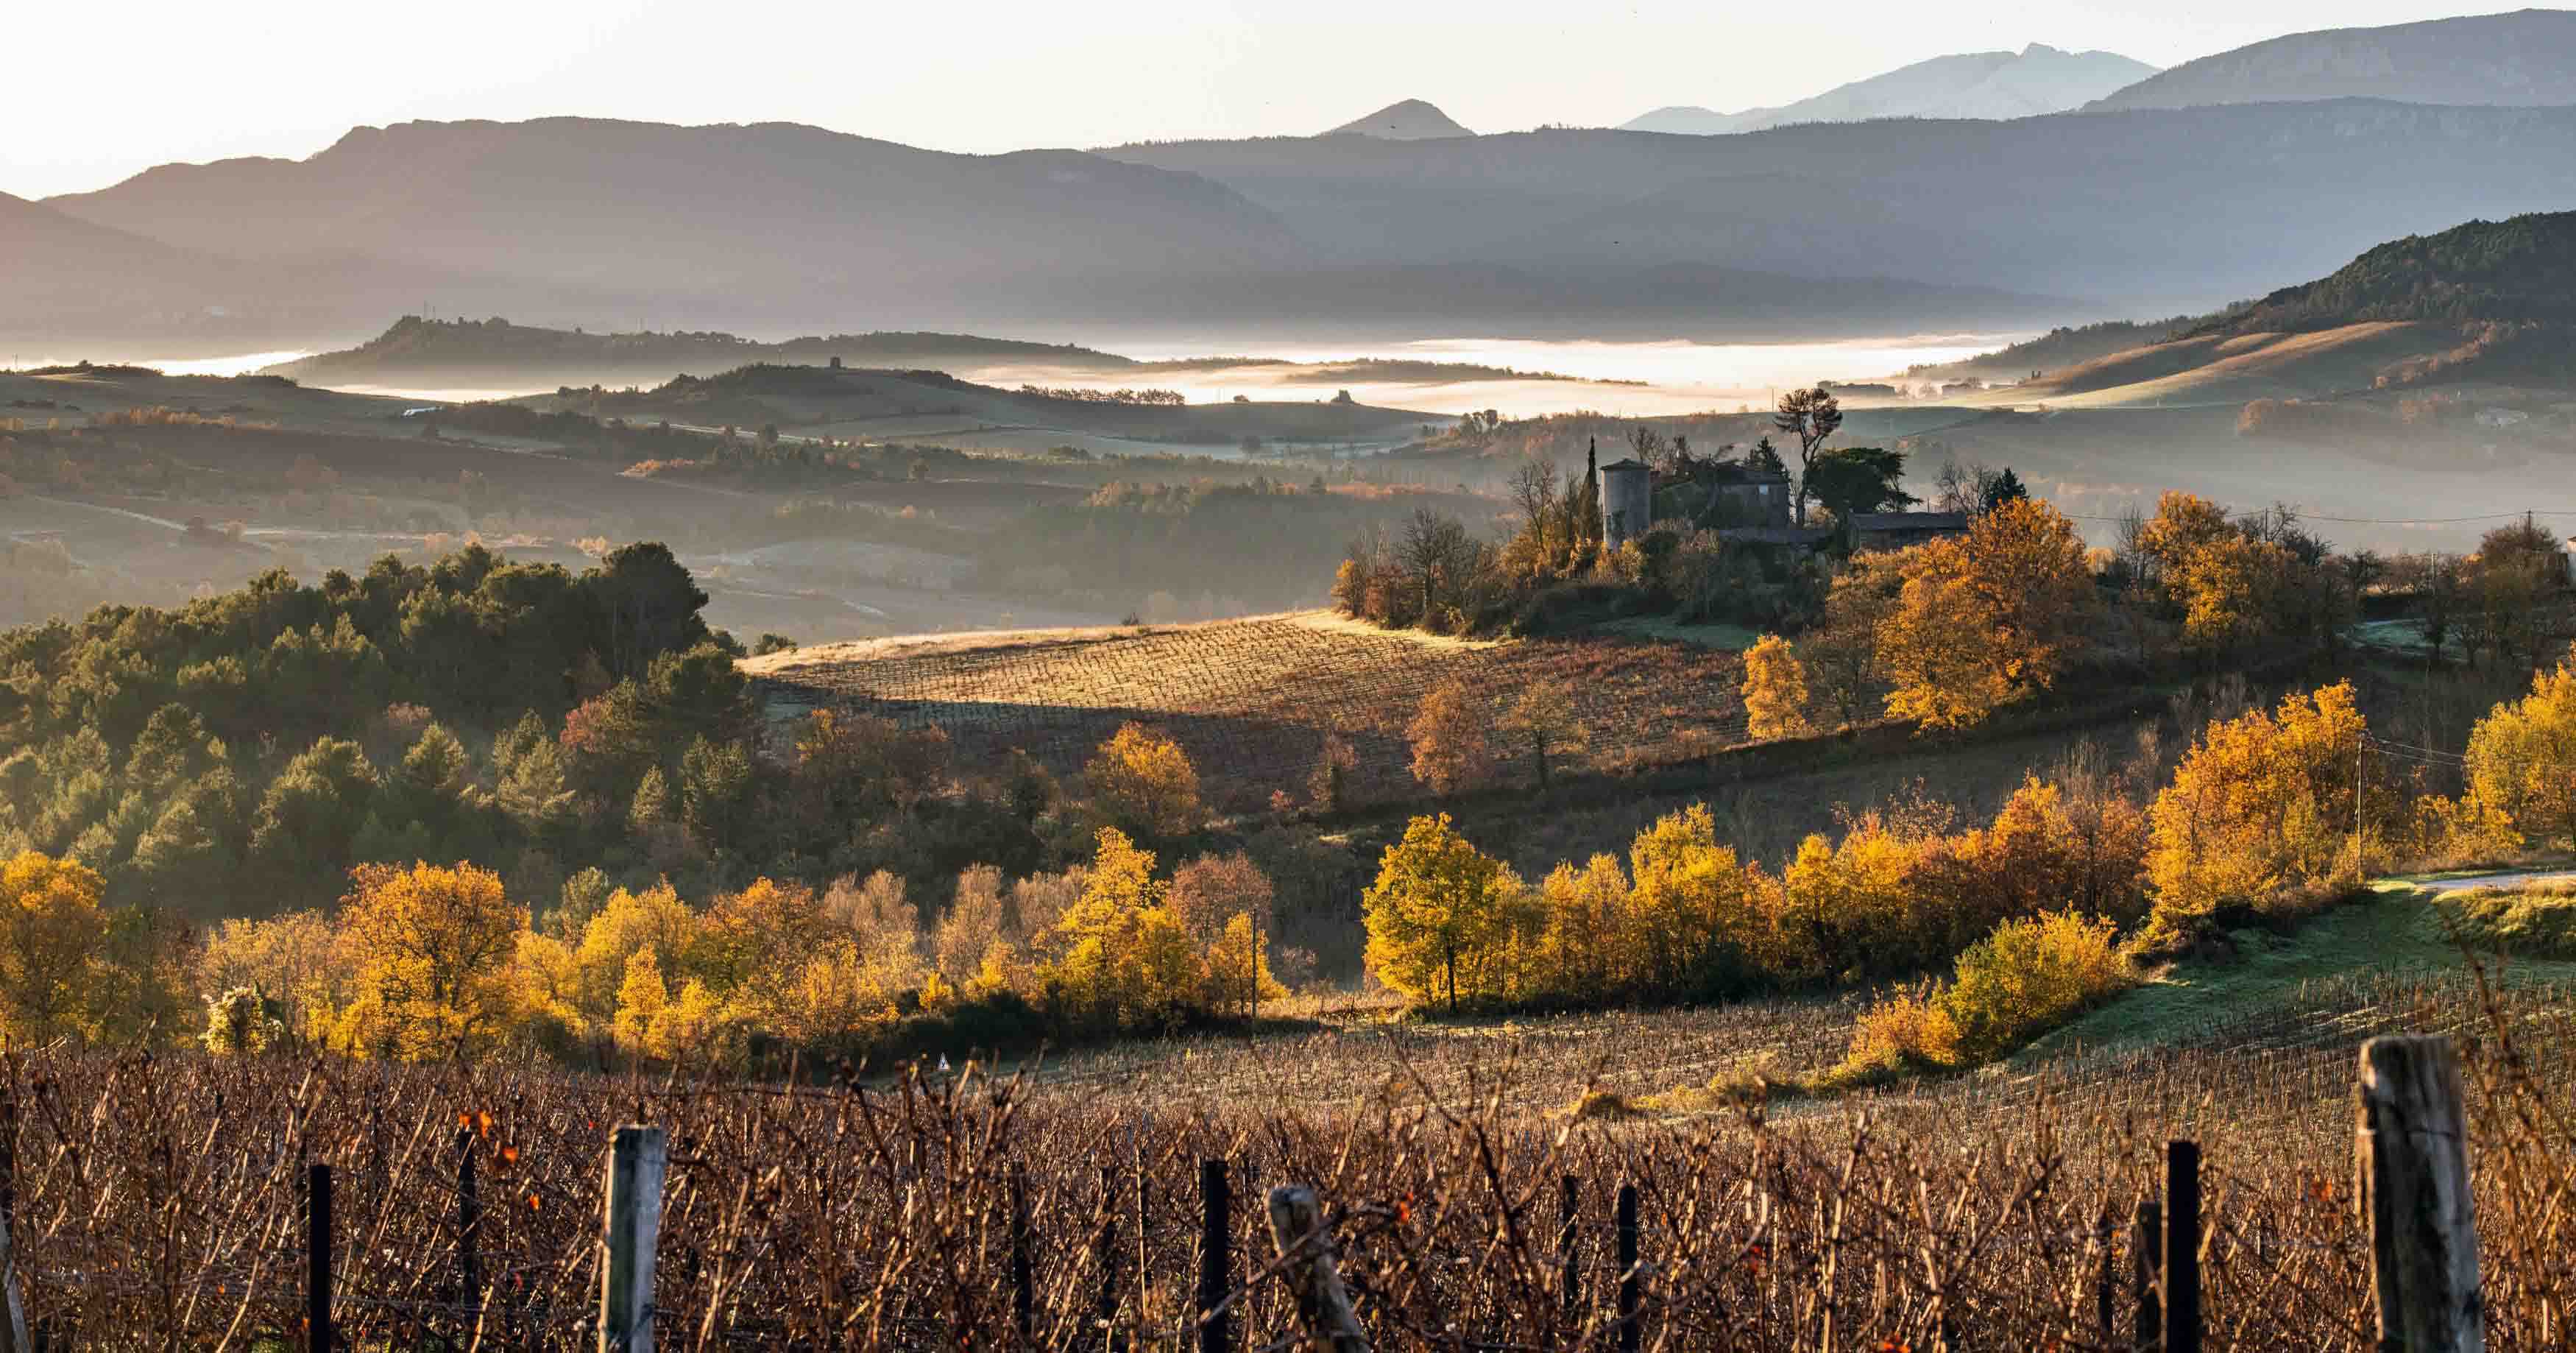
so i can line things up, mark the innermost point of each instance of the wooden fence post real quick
(2105, 1281)
(1216, 1280)
(469, 1221)
(1569, 1276)
(13, 1302)
(1023, 1279)
(2182, 1247)
(632, 1227)
(1629, 1286)
(317, 1259)
(2146, 1260)
(2411, 1167)
(1106, 1246)
(13, 1308)
(1144, 1248)
(1323, 1304)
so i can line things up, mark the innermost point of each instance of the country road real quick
(2509, 879)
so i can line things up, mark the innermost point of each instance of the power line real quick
(2390, 521)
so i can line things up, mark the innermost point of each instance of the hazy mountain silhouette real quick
(1409, 120)
(49, 259)
(2173, 210)
(63, 279)
(757, 220)
(2526, 58)
(496, 352)
(778, 227)
(2037, 79)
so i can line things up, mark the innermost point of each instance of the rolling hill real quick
(2526, 58)
(435, 353)
(2491, 301)
(2035, 80)
(2519, 270)
(1407, 120)
(884, 404)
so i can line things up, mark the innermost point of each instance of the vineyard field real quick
(163, 1196)
(1253, 700)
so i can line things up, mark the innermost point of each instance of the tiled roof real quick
(1909, 521)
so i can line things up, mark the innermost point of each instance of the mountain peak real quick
(2525, 59)
(2037, 80)
(1404, 120)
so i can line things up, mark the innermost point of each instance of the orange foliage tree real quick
(2260, 809)
(1989, 619)
(1452, 744)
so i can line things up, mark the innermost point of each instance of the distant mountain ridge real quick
(2178, 210)
(787, 221)
(1792, 231)
(2038, 79)
(2523, 59)
(1406, 120)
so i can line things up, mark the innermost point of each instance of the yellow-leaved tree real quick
(1695, 912)
(1987, 619)
(2233, 590)
(298, 960)
(1775, 689)
(1128, 959)
(2260, 808)
(1583, 931)
(2522, 758)
(52, 934)
(1848, 908)
(434, 944)
(1144, 783)
(626, 923)
(1435, 912)
(642, 996)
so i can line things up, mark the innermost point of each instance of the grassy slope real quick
(2214, 369)
(2389, 926)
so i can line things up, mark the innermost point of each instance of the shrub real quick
(2027, 977)
(1896, 1036)
(1607, 1106)
(2538, 921)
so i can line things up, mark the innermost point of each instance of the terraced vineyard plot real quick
(1253, 700)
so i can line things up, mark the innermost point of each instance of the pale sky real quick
(90, 94)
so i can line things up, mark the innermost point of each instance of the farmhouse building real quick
(1896, 530)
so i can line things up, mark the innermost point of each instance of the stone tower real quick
(1627, 501)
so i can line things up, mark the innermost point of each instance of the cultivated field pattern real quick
(164, 1195)
(1253, 700)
